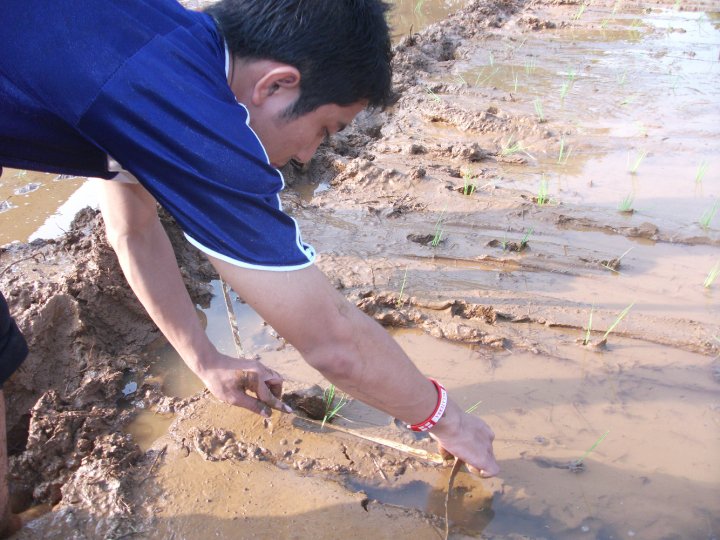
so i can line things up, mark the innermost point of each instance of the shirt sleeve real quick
(168, 116)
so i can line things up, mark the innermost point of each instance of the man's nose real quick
(308, 152)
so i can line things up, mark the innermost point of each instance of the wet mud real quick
(477, 220)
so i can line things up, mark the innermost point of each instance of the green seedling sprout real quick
(593, 447)
(701, 170)
(619, 318)
(604, 23)
(469, 182)
(709, 215)
(400, 300)
(479, 82)
(491, 60)
(510, 148)
(567, 85)
(626, 205)
(636, 164)
(461, 79)
(580, 11)
(614, 264)
(432, 94)
(539, 110)
(526, 238)
(438, 230)
(530, 66)
(622, 78)
(419, 6)
(564, 155)
(586, 341)
(515, 82)
(331, 408)
(712, 275)
(676, 6)
(616, 7)
(542, 196)
(473, 407)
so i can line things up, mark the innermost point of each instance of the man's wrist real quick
(450, 421)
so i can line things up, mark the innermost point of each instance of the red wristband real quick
(436, 415)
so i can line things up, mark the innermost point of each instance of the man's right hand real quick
(468, 438)
(229, 379)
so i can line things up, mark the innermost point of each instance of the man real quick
(196, 111)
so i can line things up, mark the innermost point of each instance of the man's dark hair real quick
(341, 47)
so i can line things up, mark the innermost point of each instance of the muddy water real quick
(642, 91)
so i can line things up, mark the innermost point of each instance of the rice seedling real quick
(530, 66)
(492, 73)
(564, 154)
(617, 6)
(614, 264)
(604, 23)
(539, 110)
(586, 341)
(580, 11)
(491, 60)
(526, 238)
(628, 100)
(619, 318)
(331, 407)
(626, 205)
(473, 407)
(621, 78)
(461, 79)
(567, 85)
(469, 182)
(400, 300)
(418, 7)
(701, 170)
(439, 226)
(432, 94)
(708, 215)
(509, 148)
(578, 462)
(676, 6)
(636, 164)
(542, 196)
(515, 82)
(712, 275)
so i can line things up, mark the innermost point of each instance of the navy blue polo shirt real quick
(143, 81)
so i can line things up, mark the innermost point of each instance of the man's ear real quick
(279, 78)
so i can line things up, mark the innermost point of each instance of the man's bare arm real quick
(148, 262)
(357, 354)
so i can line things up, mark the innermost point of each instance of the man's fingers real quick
(275, 388)
(266, 395)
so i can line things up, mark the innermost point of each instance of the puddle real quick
(147, 427)
(647, 112)
(554, 408)
(415, 15)
(29, 199)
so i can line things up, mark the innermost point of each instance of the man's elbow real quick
(335, 352)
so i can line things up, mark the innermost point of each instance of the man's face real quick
(298, 138)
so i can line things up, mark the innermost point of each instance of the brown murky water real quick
(632, 96)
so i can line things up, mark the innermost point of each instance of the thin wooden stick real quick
(453, 473)
(231, 318)
(400, 447)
